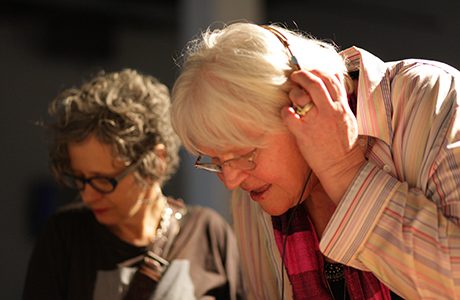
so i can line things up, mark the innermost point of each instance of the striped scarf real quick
(305, 263)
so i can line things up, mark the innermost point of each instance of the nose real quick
(89, 194)
(231, 177)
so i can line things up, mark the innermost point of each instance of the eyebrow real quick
(79, 173)
(235, 156)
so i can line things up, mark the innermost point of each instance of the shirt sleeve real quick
(403, 225)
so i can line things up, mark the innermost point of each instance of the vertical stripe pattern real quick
(400, 217)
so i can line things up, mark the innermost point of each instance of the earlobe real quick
(160, 153)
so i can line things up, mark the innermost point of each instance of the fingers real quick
(291, 119)
(318, 88)
(300, 95)
(302, 101)
(302, 111)
(334, 85)
(315, 87)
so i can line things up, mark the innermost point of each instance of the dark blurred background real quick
(49, 45)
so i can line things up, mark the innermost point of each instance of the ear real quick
(160, 152)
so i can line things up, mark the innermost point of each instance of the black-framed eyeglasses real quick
(101, 184)
(244, 162)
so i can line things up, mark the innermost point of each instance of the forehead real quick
(92, 154)
(251, 139)
(236, 151)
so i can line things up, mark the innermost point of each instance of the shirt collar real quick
(373, 95)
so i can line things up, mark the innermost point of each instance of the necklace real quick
(167, 228)
(334, 274)
(154, 262)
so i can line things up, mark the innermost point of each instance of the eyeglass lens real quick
(244, 162)
(101, 184)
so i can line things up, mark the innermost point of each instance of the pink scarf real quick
(304, 262)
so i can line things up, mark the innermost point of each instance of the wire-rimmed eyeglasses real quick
(244, 162)
(102, 184)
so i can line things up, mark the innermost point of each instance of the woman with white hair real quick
(345, 169)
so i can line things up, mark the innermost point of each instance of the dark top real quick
(74, 251)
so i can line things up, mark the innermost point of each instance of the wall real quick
(44, 49)
(46, 46)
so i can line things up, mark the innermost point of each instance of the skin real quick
(131, 211)
(324, 141)
(328, 134)
(277, 181)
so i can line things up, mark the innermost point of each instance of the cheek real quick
(286, 169)
(127, 194)
(135, 194)
(276, 164)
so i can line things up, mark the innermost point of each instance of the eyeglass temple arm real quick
(283, 39)
(130, 168)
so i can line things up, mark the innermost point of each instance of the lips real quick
(258, 194)
(98, 211)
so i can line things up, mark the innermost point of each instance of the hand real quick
(326, 135)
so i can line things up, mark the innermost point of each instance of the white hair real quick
(234, 80)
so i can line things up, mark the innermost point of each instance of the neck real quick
(140, 229)
(320, 208)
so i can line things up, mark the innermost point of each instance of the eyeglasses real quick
(244, 162)
(283, 39)
(101, 184)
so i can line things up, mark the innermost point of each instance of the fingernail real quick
(292, 110)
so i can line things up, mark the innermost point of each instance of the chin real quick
(274, 211)
(105, 220)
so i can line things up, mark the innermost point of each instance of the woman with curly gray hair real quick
(113, 141)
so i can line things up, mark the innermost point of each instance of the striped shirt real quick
(400, 216)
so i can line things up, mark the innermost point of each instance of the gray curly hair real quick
(126, 110)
